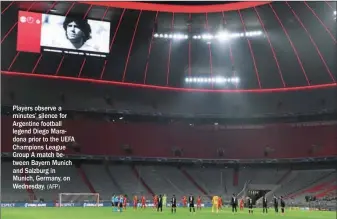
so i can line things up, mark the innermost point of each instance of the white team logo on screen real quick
(30, 20)
(23, 19)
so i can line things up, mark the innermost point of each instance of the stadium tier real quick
(158, 140)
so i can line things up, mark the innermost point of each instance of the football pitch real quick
(182, 213)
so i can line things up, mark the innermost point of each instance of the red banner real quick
(29, 32)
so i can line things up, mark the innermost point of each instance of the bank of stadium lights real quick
(219, 36)
(226, 35)
(216, 80)
(171, 36)
(335, 13)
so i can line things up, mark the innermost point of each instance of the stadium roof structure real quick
(294, 50)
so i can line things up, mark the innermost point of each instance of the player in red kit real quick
(199, 203)
(124, 202)
(220, 203)
(143, 202)
(241, 204)
(155, 201)
(135, 202)
(184, 202)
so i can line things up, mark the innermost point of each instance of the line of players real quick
(120, 202)
(250, 204)
(160, 201)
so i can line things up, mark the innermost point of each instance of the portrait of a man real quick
(77, 31)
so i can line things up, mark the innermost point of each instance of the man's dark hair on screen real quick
(82, 24)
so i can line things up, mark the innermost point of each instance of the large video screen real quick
(53, 33)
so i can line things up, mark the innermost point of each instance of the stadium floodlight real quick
(87, 199)
(221, 36)
(335, 13)
(216, 80)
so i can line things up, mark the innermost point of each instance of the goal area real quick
(68, 199)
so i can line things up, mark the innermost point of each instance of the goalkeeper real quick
(164, 200)
(215, 204)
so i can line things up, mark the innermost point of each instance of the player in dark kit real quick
(283, 205)
(160, 203)
(174, 204)
(234, 203)
(275, 204)
(250, 206)
(191, 203)
(265, 204)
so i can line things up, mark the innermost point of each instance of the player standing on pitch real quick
(215, 204)
(184, 200)
(135, 202)
(199, 203)
(283, 205)
(124, 202)
(143, 202)
(275, 204)
(220, 203)
(250, 206)
(242, 204)
(265, 204)
(120, 203)
(113, 200)
(174, 204)
(155, 201)
(164, 200)
(160, 203)
(191, 203)
(234, 203)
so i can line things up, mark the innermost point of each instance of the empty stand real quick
(7, 191)
(178, 179)
(127, 180)
(158, 182)
(100, 181)
(158, 140)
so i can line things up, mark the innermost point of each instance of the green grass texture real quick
(149, 213)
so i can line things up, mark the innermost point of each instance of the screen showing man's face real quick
(74, 33)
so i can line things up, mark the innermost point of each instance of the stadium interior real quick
(178, 98)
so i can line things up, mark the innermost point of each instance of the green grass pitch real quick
(182, 213)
